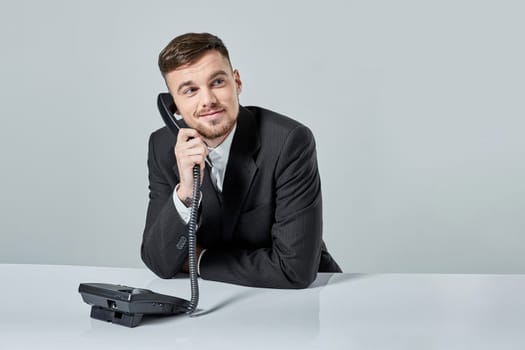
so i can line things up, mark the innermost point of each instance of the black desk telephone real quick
(127, 305)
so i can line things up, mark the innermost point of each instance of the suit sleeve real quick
(292, 261)
(164, 243)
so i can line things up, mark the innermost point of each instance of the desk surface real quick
(41, 309)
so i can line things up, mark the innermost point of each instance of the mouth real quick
(209, 115)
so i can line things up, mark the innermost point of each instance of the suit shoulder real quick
(268, 117)
(161, 133)
(162, 138)
(276, 126)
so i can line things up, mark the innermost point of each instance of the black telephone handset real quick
(127, 305)
(167, 111)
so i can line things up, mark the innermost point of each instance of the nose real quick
(208, 98)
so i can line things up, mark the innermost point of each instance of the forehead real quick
(205, 66)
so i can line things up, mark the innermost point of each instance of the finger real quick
(185, 134)
(189, 148)
(195, 142)
(192, 143)
(196, 150)
(191, 158)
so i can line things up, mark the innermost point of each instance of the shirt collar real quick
(219, 155)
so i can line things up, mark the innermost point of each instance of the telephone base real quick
(117, 317)
(126, 306)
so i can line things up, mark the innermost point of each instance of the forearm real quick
(164, 242)
(164, 246)
(292, 260)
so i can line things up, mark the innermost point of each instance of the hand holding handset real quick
(167, 109)
(127, 305)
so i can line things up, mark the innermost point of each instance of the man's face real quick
(206, 93)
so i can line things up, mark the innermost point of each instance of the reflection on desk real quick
(41, 309)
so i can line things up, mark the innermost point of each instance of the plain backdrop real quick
(417, 108)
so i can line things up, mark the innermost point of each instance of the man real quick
(260, 219)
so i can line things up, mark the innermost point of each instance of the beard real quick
(215, 129)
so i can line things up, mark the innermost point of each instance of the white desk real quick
(41, 309)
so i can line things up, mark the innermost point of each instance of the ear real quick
(238, 82)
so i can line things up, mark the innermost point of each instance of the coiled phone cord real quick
(192, 241)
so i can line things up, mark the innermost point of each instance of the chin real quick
(215, 131)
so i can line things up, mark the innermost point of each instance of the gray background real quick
(417, 108)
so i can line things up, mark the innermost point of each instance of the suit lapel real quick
(211, 198)
(240, 170)
(239, 175)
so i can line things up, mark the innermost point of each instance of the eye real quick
(217, 82)
(189, 91)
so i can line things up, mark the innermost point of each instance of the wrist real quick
(184, 196)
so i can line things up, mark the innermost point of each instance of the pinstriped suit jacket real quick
(265, 230)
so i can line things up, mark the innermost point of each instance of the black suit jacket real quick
(266, 228)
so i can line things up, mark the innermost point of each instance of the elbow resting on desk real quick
(162, 269)
(299, 277)
(299, 282)
(262, 269)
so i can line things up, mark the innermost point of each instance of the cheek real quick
(229, 96)
(188, 109)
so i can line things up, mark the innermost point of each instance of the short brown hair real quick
(187, 48)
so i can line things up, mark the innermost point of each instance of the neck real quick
(216, 142)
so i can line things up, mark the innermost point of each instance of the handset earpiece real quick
(167, 108)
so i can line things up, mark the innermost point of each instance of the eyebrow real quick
(191, 82)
